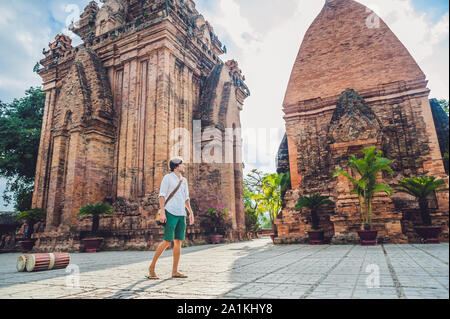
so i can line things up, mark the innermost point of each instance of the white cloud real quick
(240, 30)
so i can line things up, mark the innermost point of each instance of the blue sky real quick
(262, 35)
(435, 8)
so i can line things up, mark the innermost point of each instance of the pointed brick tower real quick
(355, 85)
(119, 106)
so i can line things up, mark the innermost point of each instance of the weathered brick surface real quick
(352, 87)
(112, 104)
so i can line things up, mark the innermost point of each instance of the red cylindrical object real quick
(39, 262)
(62, 260)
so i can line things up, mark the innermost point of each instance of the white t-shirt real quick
(176, 206)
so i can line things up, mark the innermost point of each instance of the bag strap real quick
(174, 191)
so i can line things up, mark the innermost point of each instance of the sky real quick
(264, 36)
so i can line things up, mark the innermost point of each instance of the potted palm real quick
(314, 203)
(215, 220)
(422, 188)
(30, 217)
(366, 186)
(93, 241)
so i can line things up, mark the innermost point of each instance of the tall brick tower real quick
(354, 85)
(145, 68)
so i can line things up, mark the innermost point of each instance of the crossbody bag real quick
(159, 213)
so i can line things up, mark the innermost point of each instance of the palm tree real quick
(367, 186)
(421, 188)
(314, 203)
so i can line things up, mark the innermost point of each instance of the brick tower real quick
(145, 68)
(354, 85)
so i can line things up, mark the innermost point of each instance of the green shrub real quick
(96, 211)
(421, 188)
(31, 217)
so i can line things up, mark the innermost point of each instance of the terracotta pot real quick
(316, 237)
(27, 245)
(92, 245)
(215, 239)
(368, 237)
(430, 234)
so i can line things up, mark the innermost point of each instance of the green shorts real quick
(175, 227)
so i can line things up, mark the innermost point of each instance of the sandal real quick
(179, 275)
(152, 277)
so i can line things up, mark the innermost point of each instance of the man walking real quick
(173, 200)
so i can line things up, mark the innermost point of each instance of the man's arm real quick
(188, 204)
(191, 213)
(189, 208)
(164, 189)
(162, 203)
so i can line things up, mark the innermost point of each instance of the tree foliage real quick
(270, 199)
(444, 104)
(31, 217)
(252, 224)
(314, 203)
(264, 221)
(20, 131)
(263, 195)
(96, 211)
(422, 188)
(253, 183)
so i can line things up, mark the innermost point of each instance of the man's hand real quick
(163, 217)
(191, 219)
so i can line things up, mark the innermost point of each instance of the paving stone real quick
(255, 269)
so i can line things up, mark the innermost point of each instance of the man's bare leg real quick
(161, 248)
(176, 256)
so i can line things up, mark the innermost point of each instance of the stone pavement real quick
(253, 269)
